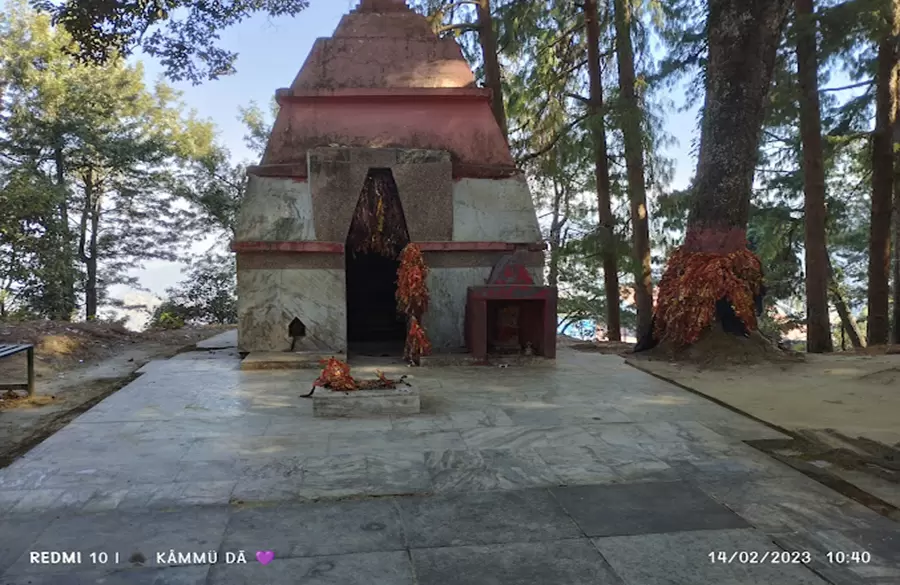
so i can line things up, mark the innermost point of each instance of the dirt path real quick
(69, 387)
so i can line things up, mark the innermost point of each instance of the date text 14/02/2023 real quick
(783, 557)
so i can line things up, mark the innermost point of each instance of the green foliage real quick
(101, 147)
(259, 125)
(168, 316)
(206, 296)
(182, 34)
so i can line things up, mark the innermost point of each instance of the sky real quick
(271, 52)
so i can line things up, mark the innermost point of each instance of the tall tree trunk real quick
(848, 323)
(489, 53)
(601, 174)
(742, 40)
(818, 322)
(93, 296)
(556, 224)
(743, 37)
(896, 275)
(895, 236)
(67, 302)
(634, 163)
(882, 194)
(87, 243)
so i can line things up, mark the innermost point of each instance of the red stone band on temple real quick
(458, 170)
(339, 247)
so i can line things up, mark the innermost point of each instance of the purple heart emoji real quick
(265, 556)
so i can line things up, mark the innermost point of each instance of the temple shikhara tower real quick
(382, 139)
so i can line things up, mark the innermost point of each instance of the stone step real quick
(282, 360)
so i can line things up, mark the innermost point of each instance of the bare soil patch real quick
(718, 349)
(854, 394)
(605, 347)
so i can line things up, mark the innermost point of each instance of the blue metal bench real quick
(10, 350)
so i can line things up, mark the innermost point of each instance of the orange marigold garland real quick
(412, 300)
(417, 343)
(692, 284)
(336, 376)
(412, 292)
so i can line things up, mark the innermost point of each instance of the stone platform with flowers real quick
(343, 396)
(403, 400)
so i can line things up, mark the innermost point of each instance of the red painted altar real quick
(511, 314)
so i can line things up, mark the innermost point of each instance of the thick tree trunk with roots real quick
(714, 273)
(601, 174)
(818, 322)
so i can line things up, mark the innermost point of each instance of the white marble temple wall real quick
(269, 299)
(445, 320)
(276, 209)
(494, 210)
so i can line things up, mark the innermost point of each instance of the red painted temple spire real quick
(381, 6)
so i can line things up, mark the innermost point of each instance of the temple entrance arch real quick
(377, 235)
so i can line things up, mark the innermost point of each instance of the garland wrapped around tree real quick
(693, 285)
(711, 281)
(412, 301)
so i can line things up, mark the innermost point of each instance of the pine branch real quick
(866, 83)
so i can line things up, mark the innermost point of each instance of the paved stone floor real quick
(586, 472)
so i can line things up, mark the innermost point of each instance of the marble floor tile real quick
(682, 558)
(187, 530)
(117, 576)
(242, 469)
(229, 448)
(453, 421)
(577, 465)
(315, 429)
(642, 508)
(828, 548)
(17, 533)
(485, 518)
(392, 441)
(790, 504)
(175, 495)
(488, 469)
(380, 568)
(518, 437)
(397, 473)
(549, 415)
(311, 530)
(561, 562)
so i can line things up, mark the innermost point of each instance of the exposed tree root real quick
(717, 347)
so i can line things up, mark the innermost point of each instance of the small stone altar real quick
(511, 314)
(366, 403)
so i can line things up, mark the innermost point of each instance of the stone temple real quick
(381, 104)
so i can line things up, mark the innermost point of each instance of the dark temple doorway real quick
(376, 237)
